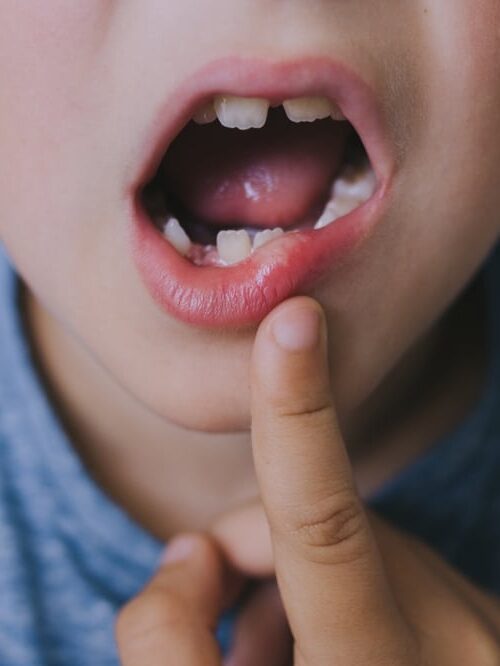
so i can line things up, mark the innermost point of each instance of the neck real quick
(150, 466)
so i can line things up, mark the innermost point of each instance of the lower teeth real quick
(177, 237)
(351, 189)
(263, 237)
(233, 246)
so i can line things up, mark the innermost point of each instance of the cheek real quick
(464, 52)
(48, 135)
(46, 52)
(465, 84)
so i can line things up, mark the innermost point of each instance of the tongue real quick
(275, 176)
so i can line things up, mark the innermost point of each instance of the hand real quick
(355, 590)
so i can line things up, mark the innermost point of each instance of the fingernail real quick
(178, 549)
(297, 329)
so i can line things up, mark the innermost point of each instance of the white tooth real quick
(335, 209)
(356, 185)
(329, 215)
(263, 237)
(177, 237)
(307, 109)
(241, 112)
(343, 205)
(206, 114)
(336, 113)
(233, 246)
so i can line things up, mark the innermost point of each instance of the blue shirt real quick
(70, 557)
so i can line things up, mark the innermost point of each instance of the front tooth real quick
(205, 115)
(335, 209)
(233, 246)
(355, 185)
(241, 112)
(177, 237)
(307, 109)
(263, 237)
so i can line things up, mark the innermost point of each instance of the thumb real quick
(328, 566)
(173, 619)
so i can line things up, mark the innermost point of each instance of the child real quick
(146, 149)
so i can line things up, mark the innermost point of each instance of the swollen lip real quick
(242, 294)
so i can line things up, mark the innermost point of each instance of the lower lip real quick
(244, 293)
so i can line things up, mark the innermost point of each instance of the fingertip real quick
(295, 324)
(290, 350)
(179, 548)
(297, 328)
(198, 548)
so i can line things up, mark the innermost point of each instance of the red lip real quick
(243, 294)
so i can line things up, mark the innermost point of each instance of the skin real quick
(72, 127)
(105, 71)
(355, 591)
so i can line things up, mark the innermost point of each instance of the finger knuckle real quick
(333, 530)
(151, 612)
(304, 406)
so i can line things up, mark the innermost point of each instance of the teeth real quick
(263, 237)
(328, 216)
(335, 209)
(251, 112)
(233, 246)
(241, 112)
(336, 113)
(205, 115)
(177, 237)
(343, 206)
(354, 184)
(308, 109)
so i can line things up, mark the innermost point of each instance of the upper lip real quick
(275, 81)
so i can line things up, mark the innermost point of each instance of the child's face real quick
(83, 83)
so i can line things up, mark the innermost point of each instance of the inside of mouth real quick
(285, 176)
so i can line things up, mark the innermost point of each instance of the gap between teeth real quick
(251, 112)
(349, 191)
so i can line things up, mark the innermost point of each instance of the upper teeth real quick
(355, 184)
(241, 112)
(205, 114)
(308, 109)
(251, 112)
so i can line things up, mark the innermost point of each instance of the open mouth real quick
(243, 173)
(263, 180)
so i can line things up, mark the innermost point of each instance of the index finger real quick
(331, 575)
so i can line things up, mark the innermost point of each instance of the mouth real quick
(262, 181)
